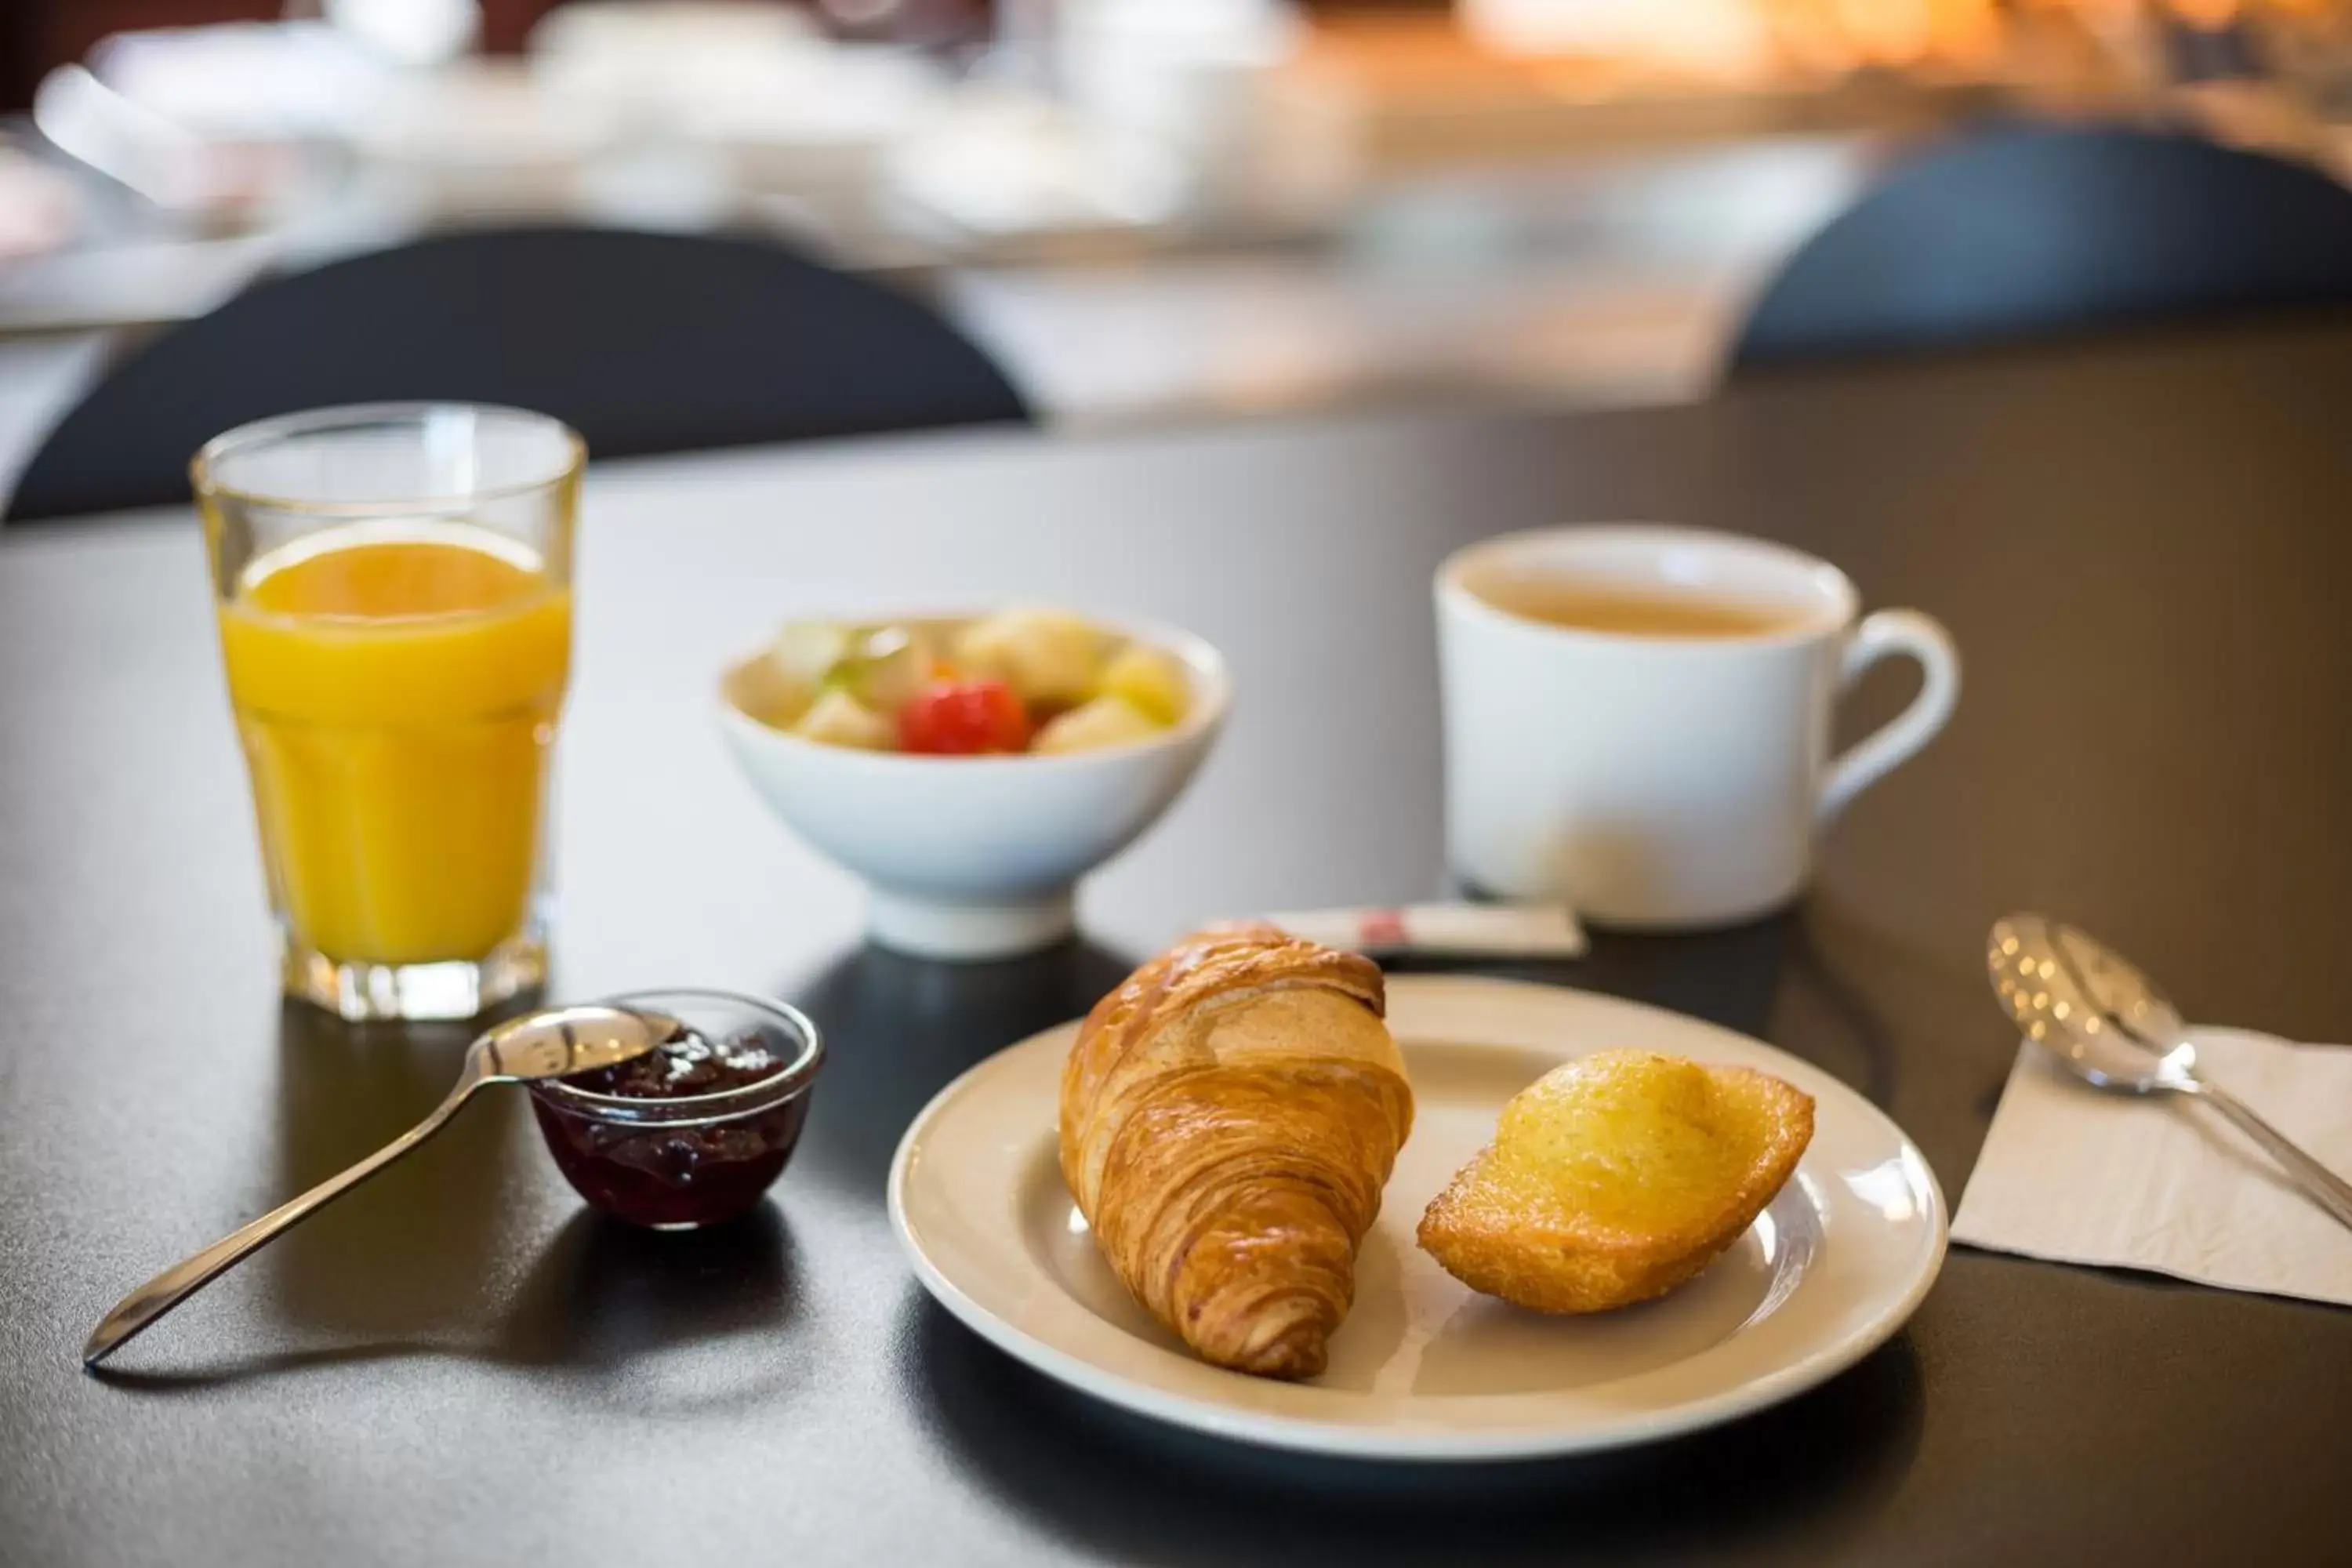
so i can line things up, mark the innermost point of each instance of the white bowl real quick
(970, 857)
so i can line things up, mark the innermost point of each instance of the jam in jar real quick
(694, 1132)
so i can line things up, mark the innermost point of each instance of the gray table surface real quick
(2142, 549)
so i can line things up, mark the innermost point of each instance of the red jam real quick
(662, 1161)
(684, 1068)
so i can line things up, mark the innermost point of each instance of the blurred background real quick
(1144, 211)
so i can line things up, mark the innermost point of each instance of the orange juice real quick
(397, 687)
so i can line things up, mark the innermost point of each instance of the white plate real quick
(1425, 1368)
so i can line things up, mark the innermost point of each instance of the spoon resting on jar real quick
(534, 1045)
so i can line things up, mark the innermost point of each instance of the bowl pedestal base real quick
(936, 928)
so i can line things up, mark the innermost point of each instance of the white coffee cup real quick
(1661, 780)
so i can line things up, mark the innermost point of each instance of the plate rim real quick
(1305, 1435)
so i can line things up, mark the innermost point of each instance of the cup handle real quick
(1887, 632)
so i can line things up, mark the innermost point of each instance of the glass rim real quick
(203, 477)
(793, 1076)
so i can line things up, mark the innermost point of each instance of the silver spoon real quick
(536, 1045)
(2102, 1019)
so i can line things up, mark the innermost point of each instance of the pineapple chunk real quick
(1153, 681)
(837, 718)
(766, 693)
(1107, 720)
(1047, 657)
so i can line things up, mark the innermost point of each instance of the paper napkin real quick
(2080, 1176)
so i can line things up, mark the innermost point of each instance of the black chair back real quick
(2025, 232)
(643, 343)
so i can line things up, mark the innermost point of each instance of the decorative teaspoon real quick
(2106, 1023)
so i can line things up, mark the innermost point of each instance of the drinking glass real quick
(393, 588)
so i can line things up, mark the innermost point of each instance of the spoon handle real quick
(2325, 1187)
(135, 1311)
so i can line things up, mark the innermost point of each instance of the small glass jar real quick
(683, 1163)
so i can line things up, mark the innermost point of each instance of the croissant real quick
(1229, 1116)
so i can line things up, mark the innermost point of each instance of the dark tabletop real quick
(2144, 550)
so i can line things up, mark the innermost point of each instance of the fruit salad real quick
(1022, 680)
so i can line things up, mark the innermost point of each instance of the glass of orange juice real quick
(393, 585)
